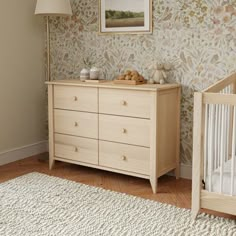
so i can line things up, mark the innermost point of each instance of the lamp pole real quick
(52, 8)
(48, 51)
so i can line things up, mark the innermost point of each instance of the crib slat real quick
(227, 132)
(208, 145)
(216, 136)
(222, 154)
(231, 118)
(206, 140)
(213, 134)
(211, 142)
(233, 151)
(219, 135)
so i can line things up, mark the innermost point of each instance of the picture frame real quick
(125, 16)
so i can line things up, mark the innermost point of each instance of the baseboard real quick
(186, 171)
(23, 152)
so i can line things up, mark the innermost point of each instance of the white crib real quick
(214, 148)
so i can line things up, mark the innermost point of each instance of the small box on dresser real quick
(127, 129)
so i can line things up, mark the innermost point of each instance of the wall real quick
(198, 37)
(22, 90)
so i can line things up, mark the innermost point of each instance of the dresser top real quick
(110, 84)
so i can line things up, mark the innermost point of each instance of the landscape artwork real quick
(122, 16)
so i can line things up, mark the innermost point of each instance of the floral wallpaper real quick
(197, 37)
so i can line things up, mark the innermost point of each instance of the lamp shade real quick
(53, 7)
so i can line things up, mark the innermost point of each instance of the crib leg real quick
(196, 191)
(194, 213)
(198, 129)
(195, 203)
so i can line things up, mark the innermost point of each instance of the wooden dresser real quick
(127, 129)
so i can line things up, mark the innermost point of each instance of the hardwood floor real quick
(170, 190)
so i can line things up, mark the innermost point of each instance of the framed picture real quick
(125, 16)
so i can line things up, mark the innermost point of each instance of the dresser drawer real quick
(76, 123)
(125, 102)
(76, 149)
(76, 98)
(124, 130)
(124, 157)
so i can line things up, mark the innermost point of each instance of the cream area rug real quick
(37, 204)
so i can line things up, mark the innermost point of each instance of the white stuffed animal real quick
(158, 74)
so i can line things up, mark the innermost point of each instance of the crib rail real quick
(222, 85)
(219, 144)
(214, 137)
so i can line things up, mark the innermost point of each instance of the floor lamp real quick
(52, 8)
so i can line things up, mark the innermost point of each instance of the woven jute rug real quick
(37, 204)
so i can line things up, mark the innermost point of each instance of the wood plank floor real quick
(170, 190)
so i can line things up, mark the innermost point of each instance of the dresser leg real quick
(177, 172)
(154, 185)
(51, 163)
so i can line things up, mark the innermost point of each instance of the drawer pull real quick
(76, 149)
(75, 98)
(124, 131)
(124, 103)
(124, 158)
(76, 124)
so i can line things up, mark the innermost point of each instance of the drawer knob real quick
(124, 131)
(124, 103)
(76, 124)
(76, 149)
(75, 98)
(124, 158)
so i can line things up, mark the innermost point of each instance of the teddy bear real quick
(131, 75)
(158, 74)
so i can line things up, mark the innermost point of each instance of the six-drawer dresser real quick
(127, 129)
